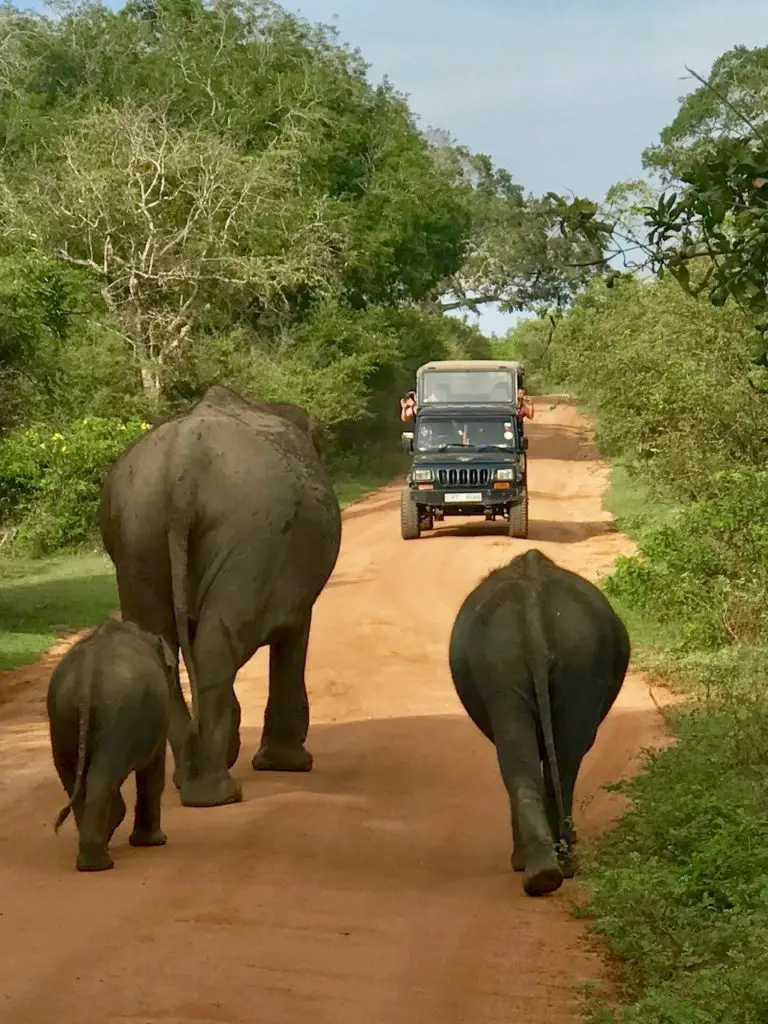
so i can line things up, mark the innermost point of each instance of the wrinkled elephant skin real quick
(538, 657)
(108, 716)
(224, 529)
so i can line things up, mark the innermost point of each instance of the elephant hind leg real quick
(286, 718)
(150, 783)
(233, 750)
(517, 750)
(207, 781)
(101, 805)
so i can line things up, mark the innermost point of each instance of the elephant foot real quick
(211, 791)
(94, 857)
(517, 860)
(542, 875)
(141, 838)
(275, 758)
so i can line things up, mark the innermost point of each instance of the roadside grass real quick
(679, 887)
(42, 599)
(357, 475)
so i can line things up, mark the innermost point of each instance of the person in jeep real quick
(524, 405)
(408, 407)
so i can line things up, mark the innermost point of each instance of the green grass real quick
(355, 476)
(679, 887)
(41, 599)
(634, 502)
(637, 508)
(353, 487)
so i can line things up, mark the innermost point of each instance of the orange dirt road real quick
(375, 890)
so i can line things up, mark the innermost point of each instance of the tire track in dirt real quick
(375, 889)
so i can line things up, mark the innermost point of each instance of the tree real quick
(711, 230)
(171, 222)
(517, 255)
(733, 97)
(708, 226)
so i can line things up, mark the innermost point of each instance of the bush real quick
(707, 567)
(680, 885)
(50, 482)
(667, 377)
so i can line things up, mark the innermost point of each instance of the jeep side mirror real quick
(525, 444)
(407, 439)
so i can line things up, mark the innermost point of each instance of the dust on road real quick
(375, 890)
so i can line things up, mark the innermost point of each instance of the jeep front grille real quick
(461, 477)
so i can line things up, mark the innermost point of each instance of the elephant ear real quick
(169, 657)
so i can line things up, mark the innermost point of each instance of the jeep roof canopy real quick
(468, 381)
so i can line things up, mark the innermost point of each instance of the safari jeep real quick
(468, 460)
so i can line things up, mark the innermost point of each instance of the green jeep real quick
(468, 460)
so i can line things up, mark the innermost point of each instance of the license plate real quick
(465, 499)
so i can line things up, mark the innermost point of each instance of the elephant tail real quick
(85, 691)
(541, 665)
(177, 549)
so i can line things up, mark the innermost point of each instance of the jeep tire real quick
(518, 518)
(410, 528)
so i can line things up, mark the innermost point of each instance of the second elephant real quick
(538, 657)
(224, 529)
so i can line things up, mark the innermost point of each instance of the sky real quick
(565, 94)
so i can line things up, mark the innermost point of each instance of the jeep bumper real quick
(466, 500)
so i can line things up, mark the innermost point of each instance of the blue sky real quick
(563, 93)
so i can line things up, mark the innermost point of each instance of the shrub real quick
(707, 567)
(50, 482)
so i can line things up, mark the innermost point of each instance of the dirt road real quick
(377, 889)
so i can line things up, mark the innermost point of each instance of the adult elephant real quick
(224, 528)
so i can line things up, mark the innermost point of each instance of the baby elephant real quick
(538, 657)
(108, 716)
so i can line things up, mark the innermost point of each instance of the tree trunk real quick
(150, 383)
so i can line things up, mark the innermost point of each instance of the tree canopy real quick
(708, 226)
(209, 190)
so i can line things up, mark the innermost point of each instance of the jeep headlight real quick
(421, 475)
(505, 474)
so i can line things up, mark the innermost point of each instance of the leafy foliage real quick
(708, 227)
(735, 97)
(50, 482)
(665, 374)
(679, 886)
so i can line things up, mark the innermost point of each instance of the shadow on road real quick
(560, 443)
(570, 532)
(417, 799)
(548, 531)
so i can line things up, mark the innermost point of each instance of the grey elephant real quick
(538, 657)
(108, 716)
(224, 529)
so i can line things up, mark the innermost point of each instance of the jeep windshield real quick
(440, 435)
(460, 387)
